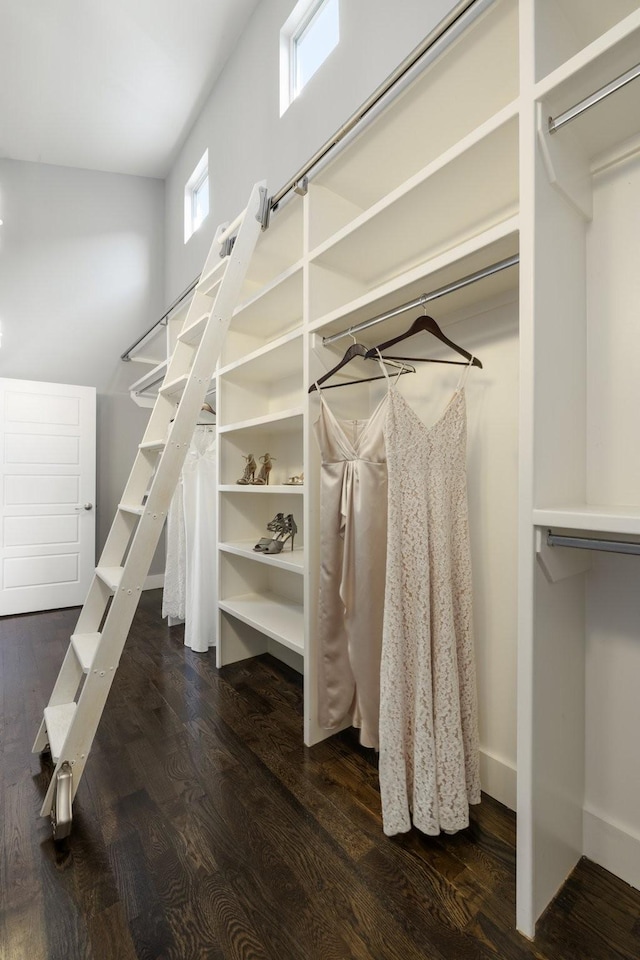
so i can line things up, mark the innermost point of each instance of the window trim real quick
(296, 27)
(191, 188)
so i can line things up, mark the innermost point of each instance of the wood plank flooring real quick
(205, 830)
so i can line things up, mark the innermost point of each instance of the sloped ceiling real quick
(109, 85)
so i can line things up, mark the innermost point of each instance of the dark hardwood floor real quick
(204, 829)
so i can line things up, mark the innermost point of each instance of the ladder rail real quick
(132, 540)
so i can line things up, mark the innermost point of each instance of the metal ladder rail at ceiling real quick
(429, 48)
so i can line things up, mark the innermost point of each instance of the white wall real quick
(81, 257)
(241, 124)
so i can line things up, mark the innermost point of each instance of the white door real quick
(47, 494)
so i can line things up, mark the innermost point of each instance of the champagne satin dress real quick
(353, 522)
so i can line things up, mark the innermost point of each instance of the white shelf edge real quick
(500, 119)
(260, 352)
(270, 286)
(280, 619)
(290, 560)
(269, 418)
(500, 231)
(601, 518)
(261, 488)
(151, 377)
(588, 55)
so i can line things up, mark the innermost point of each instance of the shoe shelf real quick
(566, 28)
(262, 488)
(287, 559)
(286, 421)
(276, 617)
(266, 597)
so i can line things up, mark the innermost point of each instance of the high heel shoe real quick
(290, 529)
(276, 525)
(249, 470)
(263, 476)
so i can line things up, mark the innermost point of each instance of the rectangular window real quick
(196, 197)
(306, 40)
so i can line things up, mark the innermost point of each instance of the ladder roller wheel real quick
(61, 814)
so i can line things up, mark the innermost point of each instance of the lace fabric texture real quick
(190, 573)
(429, 759)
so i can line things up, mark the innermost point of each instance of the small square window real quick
(196, 197)
(306, 40)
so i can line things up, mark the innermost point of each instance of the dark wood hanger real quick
(428, 325)
(355, 350)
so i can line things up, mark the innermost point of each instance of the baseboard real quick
(613, 845)
(498, 779)
(153, 581)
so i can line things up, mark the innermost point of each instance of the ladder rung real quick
(151, 445)
(195, 330)
(111, 576)
(131, 508)
(58, 720)
(210, 283)
(85, 646)
(175, 387)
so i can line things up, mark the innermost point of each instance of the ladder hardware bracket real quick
(264, 209)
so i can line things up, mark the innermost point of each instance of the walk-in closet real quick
(470, 243)
(496, 194)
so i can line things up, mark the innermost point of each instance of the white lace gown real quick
(429, 759)
(190, 592)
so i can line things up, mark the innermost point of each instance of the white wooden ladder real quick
(80, 693)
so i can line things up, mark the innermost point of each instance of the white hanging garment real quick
(190, 577)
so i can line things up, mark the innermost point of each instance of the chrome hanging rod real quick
(163, 319)
(442, 32)
(426, 298)
(555, 123)
(438, 33)
(588, 543)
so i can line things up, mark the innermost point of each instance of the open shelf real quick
(492, 246)
(269, 380)
(267, 313)
(261, 488)
(453, 96)
(277, 248)
(600, 518)
(285, 421)
(291, 560)
(420, 221)
(276, 617)
(564, 28)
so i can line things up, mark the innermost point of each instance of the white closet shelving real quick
(578, 779)
(458, 173)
